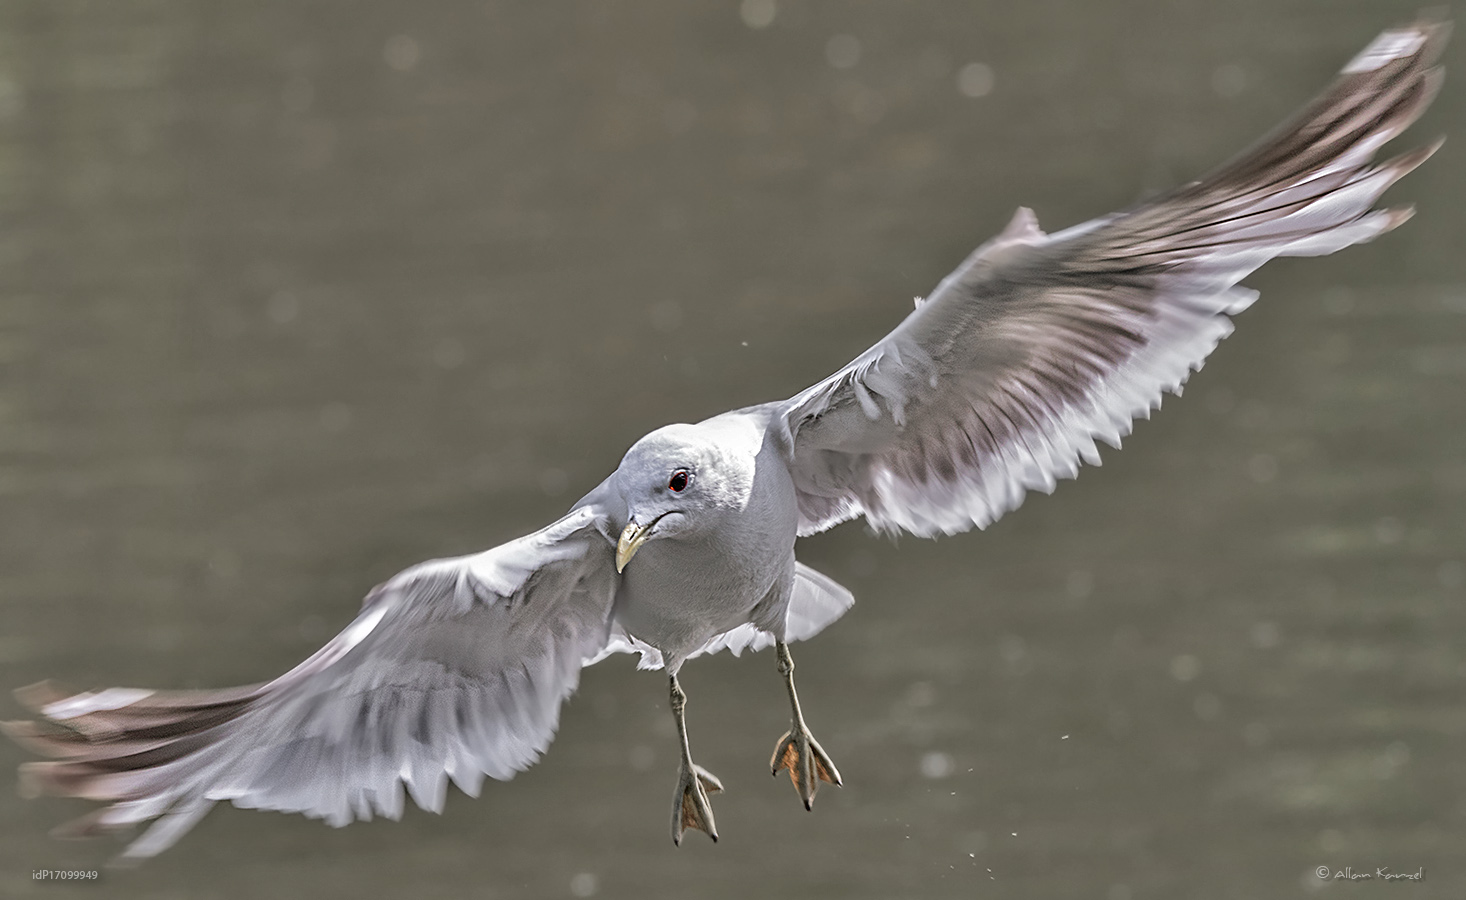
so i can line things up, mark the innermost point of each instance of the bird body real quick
(1001, 381)
(734, 564)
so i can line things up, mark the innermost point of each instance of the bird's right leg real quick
(690, 806)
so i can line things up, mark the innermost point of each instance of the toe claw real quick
(710, 782)
(824, 767)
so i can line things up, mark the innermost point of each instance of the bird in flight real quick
(1001, 381)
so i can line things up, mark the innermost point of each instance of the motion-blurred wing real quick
(455, 669)
(1038, 345)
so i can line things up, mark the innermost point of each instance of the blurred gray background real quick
(293, 295)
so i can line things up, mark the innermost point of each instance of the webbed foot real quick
(690, 806)
(807, 762)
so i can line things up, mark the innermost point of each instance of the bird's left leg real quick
(797, 750)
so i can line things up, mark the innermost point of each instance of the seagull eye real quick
(679, 481)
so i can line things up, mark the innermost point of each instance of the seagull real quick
(1001, 381)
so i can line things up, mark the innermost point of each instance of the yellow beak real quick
(632, 537)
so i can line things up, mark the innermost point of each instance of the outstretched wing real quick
(1039, 345)
(455, 668)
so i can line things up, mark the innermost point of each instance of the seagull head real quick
(678, 482)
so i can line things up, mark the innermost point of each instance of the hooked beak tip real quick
(632, 537)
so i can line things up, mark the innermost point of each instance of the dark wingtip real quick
(35, 697)
(1433, 25)
(30, 735)
(1399, 216)
(123, 861)
(1405, 163)
(18, 729)
(78, 829)
(1436, 24)
(30, 785)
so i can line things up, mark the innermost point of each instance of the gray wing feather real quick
(1038, 346)
(454, 669)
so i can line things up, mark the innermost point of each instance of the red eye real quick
(679, 482)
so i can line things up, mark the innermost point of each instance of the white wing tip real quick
(1397, 43)
(82, 704)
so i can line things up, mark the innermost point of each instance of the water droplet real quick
(936, 765)
(1185, 667)
(976, 80)
(1256, 735)
(1012, 648)
(1451, 574)
(1079, 585)
(843, 51)
(1229, 80)
(224, 563)
(553, 481)
(450, 353)
(1339, 300)
(298, 94)
(1207, 707)
(282, 307)
(642, 757)
(402, 52)
(12, 100)
(1220, 401)
(1262, 468)
(679, 116)
(1389, 530)
(921, 694)
(335, 417)
(758, 13)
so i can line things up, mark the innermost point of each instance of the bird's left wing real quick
(454, 668)
(1038, 345)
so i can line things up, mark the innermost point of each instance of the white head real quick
(679, 481)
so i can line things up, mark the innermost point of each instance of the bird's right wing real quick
(454, 668)
(1038, 345)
